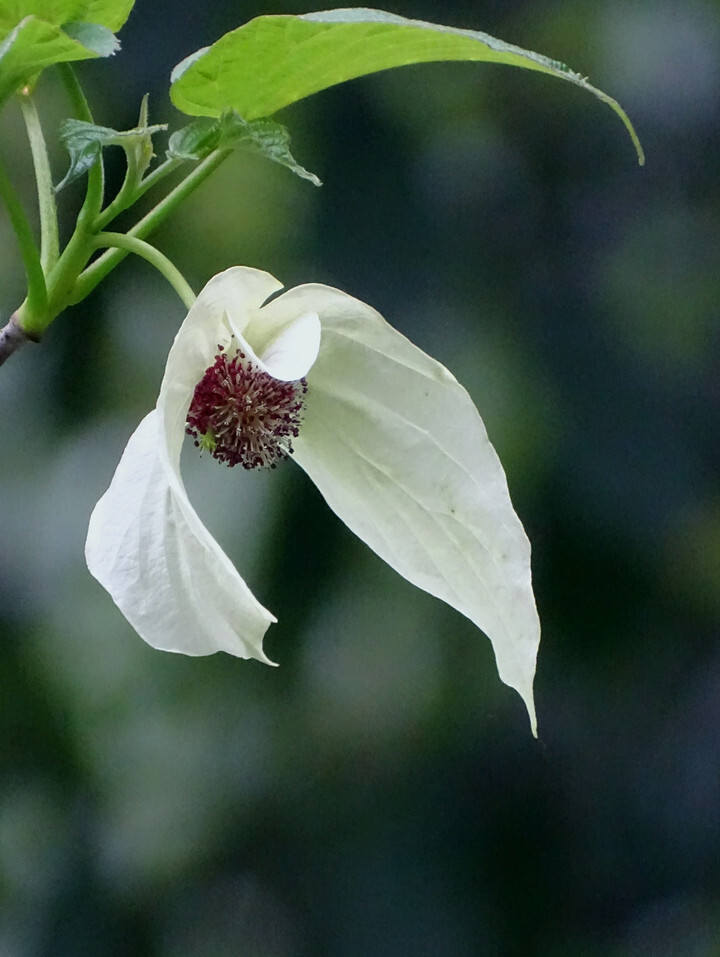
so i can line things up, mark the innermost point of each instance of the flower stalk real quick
(151, 254)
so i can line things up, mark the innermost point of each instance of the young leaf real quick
(230, 131)
(37, 33)
(85, 141)
(273, 61)
(272, 140)
(196, 140)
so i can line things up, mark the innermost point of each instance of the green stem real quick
(96, 272)
(127, 195)
(77, 98)
(37, 301)
(96, 174)
(132, 244)
(80, 245)
(61, 272)
(49, 242)
(160, 172)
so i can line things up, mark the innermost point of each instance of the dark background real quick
(379, 794)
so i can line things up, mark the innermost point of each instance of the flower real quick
(390, 438)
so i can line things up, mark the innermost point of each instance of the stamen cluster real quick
(242, 415)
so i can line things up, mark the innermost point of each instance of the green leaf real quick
(272, 140)
(196, 140)
(273, 61)
(94, 37)
(37, 33)
(30, 47)
(85, 142)
(108, 13)
(231, 131)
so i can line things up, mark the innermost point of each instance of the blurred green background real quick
(379, 794)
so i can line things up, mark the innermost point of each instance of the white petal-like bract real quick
(400, 453)
(165, 572)
(391, 439)
(145, 543)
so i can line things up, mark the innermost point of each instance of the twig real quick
(12, 336)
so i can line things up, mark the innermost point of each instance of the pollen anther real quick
(242, 415)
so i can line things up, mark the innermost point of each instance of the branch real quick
(12, 336)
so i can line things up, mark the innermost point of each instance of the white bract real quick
(390, 438)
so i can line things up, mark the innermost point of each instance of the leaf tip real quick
(182, 66)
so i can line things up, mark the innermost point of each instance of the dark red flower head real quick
(244, 416)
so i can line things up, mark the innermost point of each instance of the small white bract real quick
(387, 434)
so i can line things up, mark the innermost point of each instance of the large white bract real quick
(390, 438)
